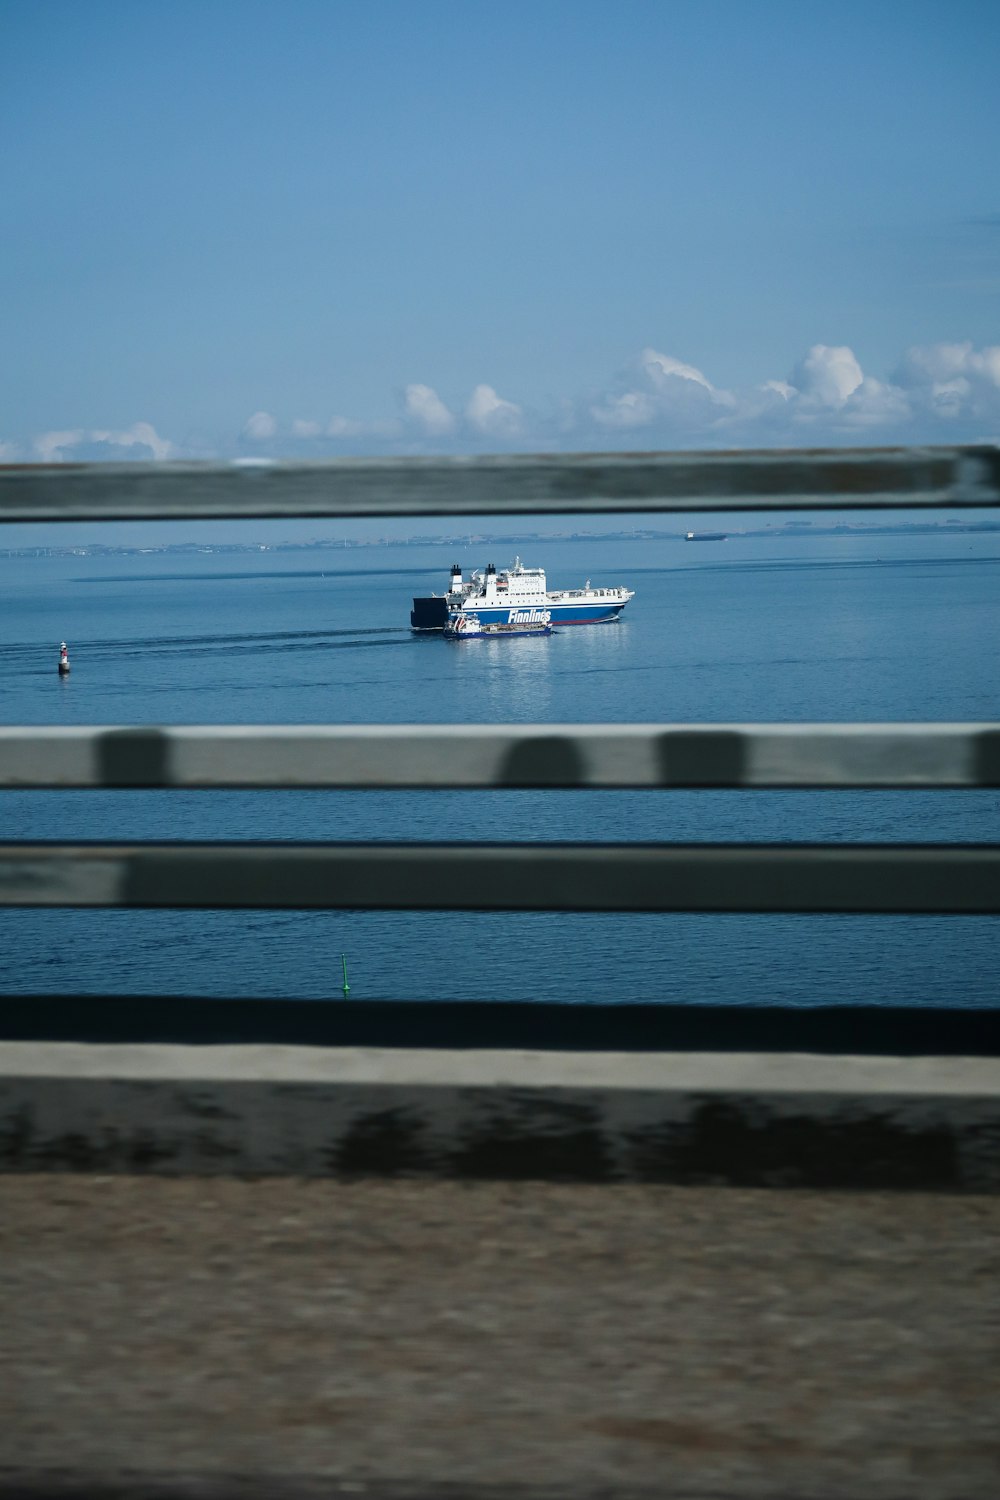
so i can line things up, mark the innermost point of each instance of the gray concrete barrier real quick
(746, 1119)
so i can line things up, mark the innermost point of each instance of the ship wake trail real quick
(28, 656)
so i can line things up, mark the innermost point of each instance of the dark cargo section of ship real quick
(429, 614)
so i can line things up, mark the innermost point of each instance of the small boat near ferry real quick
(462, 625)
(509, 597)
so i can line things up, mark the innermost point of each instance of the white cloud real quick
(140, 434)
(138, 443)
(344, 427)
(631, 409)
(424, 406)
(876, 404)
(935, 364)
(50, 446)
(660, 367)
(489, 413)
(260, 427)
(953, 382)
(989, 363)
(306, 437)
(827, 375)
(937, 393)
(661, 392)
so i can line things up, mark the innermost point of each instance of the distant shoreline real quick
(794, 530)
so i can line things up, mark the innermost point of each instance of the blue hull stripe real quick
(564, 614)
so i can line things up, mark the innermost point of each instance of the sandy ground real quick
(285, 1337)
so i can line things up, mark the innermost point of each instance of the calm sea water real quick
(821, 628)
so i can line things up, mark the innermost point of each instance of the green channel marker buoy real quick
(347, 987)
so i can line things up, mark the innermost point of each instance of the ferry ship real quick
(517, 594)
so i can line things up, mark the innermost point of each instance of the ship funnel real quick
(491, 569)
(456, 577)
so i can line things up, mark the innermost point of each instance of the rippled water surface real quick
(845, 627)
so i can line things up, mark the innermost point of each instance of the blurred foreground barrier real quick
(540, 484)
(567, 756)
(735, 1118)
(931, 878)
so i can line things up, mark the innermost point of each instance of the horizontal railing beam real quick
(657, 1024)
(525, 755)
(542, 484)
(872, 878)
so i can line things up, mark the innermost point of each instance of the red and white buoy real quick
(63, 659)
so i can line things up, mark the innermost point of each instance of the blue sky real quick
(322, 228)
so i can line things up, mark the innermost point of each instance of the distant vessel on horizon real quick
(706, 536)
